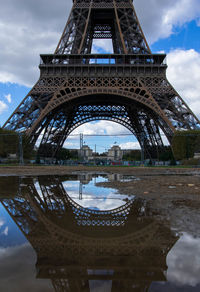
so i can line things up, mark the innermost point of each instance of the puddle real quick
(68, 233)
(89, 195)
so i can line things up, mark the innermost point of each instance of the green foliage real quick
(197, 144)
(37, 160)
(185, 144)
(28, 150)
(134, 155)
(65, 154)
(9, 144)
(166, 154)
(191, 162)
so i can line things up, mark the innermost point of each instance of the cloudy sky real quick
(29, 28)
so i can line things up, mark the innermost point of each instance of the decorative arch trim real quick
(135, 94)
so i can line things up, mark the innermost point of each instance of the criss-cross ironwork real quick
(128, 86)
(125, 245)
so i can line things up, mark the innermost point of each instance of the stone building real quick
(115, 153)
(86, 153)
(197, 155)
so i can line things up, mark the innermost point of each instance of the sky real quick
(29, 28)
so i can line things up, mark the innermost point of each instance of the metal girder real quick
(89, 20)
(71, 240)
(132, 74)
(141, 122)
(44, 199)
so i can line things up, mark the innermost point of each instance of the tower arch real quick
(141, 119)
(131, 73)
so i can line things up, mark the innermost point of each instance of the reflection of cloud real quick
(17, 266)
(95, 197)
(1, 222)
(184, 261)
(100, 285)
(5, 232)
(104, 204)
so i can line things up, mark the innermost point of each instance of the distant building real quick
(197, 155)
(12, 156)
(115, 153)
(86, 153)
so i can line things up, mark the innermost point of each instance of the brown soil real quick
(158, 185)
(61, 170)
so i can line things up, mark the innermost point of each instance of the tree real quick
(133, 155)
(65, 154)
(185, 143)
(197, 145)
(166, 154)
(9, 144)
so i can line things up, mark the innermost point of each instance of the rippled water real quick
(69, 234)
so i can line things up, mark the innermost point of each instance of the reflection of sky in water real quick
(10, 234)
(183, 263)
(100, 285)
(95, 197)
(17, 257)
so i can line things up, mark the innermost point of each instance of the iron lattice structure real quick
(129, 86)
(75, 245)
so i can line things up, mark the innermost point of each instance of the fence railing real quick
(104, 59)
(16, 149)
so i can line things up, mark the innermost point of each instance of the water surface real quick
(68, 234)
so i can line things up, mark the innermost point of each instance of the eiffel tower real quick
(76, 245)
(128, 86)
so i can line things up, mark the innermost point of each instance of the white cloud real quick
(1, 223)
(8, 97)
(73, 144)
(182, 11)
(130, 145)
(101, 128)
(159, 17)
(198, 22)
(3, 107)
(28, 29)
(31, 28)
(105, 44)
(5, 232)
(184, 74)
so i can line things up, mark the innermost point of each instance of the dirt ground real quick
(61, 170)
(173, 193)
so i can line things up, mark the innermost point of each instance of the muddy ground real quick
(173, 193)
(61, 170)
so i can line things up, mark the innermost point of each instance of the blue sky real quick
(185, 37)
(29, 28)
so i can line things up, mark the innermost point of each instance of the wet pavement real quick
(72, 233)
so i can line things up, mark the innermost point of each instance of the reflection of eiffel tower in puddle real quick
(79, 249)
